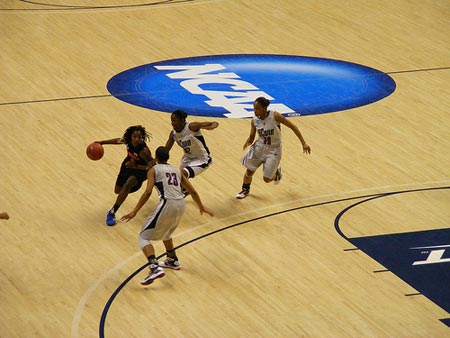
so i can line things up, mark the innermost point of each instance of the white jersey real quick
(269, 130)
(193, 144)
(168, 182)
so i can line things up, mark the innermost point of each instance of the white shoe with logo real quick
(156, 273)
(243, 194)
(171, 264)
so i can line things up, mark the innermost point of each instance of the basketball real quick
(94, 151)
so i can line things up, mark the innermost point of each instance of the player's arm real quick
(145, 196)
(117, 140)
(196, 126)
(148, 158)
(195, 196)
(251, 137)
(280, 118)
(170, 141)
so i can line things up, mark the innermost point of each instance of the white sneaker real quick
(152, 275)
(243, 194)
(171, 264)
(278, 176)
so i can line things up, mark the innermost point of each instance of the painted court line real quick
(83, 301)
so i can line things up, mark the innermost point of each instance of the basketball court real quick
(353, 242)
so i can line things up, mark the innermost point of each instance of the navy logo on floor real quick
(421, 259)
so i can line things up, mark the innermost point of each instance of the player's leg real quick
(193, 169)
(153, 229)
(122, 191)
(272, 168)
(171, 260)
(129, 186)
(149, 252)
(246, 182)
(251, 162)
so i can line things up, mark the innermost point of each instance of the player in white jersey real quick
(164, 219)
(267, 148)
(187, 135)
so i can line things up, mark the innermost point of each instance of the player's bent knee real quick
(143, 242)
(267, 180)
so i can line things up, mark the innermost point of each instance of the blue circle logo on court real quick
(227, 85)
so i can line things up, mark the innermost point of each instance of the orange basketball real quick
(94, 151)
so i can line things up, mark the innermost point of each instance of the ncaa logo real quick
(227, 85)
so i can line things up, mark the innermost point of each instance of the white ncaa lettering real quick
(195, 72)
(434, 256)
(239, 102)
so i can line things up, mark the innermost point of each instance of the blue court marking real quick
(421, 258)
(336, 224)
(227, 85)
(446, 321)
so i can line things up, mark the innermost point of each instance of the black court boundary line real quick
(366, 197)
(55, 100)
(87, 7)
(125, 94)
(445, 321)
(417, 70)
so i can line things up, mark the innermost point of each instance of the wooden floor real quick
(281, 269)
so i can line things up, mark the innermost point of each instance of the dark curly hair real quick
(130, 130)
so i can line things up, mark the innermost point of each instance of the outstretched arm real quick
(280, 118)
(145, 196)
(118, 140)
(170, 141)
(196, 126)
(185, 183)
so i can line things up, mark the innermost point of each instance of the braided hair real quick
(130, 130)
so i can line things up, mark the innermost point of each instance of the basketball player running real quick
(164, 219)
(187, 135)
(267, 149)
(133, 170)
